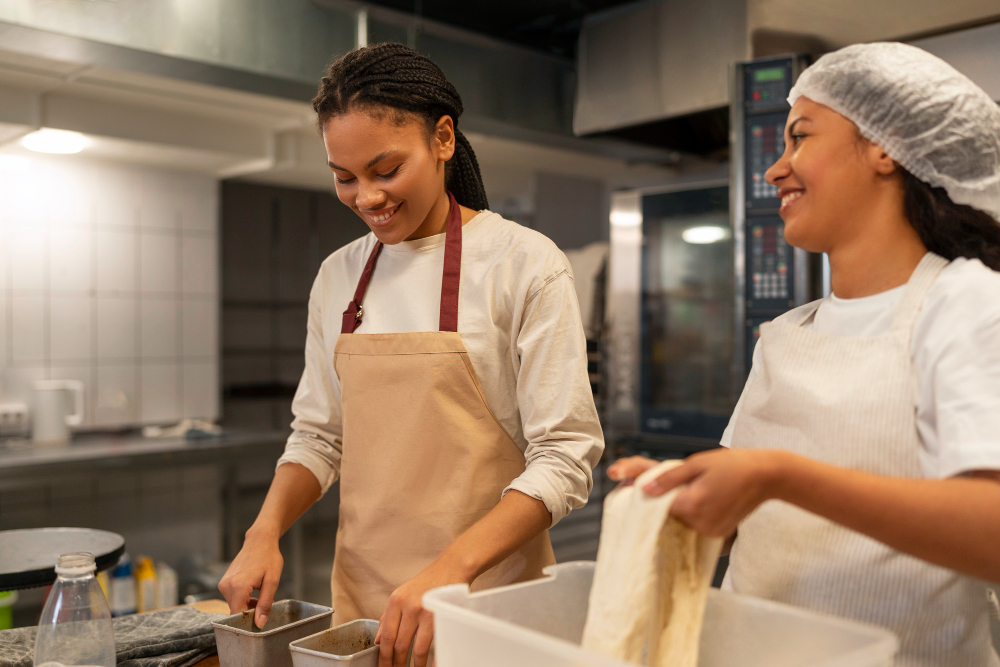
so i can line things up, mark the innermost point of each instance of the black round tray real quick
(28, 557)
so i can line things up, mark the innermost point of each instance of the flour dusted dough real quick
(651, 581)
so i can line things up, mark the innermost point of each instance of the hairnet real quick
(929, 118)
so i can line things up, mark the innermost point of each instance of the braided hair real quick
(396, 79)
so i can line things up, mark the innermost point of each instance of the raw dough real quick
(651, 581)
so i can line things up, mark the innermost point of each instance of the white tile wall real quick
(109, 275)
(116, 397)
(159, 398)
(70, 259)
(198, 268)
(116, 260)
(26, 251)
(158, 262)
(116, 328)
(69, 328)
(158, 326)
(27, 329)
(200, 335)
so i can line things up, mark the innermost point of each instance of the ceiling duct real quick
(657, 72)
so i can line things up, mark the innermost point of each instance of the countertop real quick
(211, 607)
(16, 458)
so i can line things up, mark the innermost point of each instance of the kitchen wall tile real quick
(158, 328)
(160, 201)
(248, 369)
(16, 383)
(91, 264)
(158, 261)
(116, 328)
(116, 399)
(200, 203)
(116, 260)
(253, 414)
(74, 189)
(4, 337)
(26, 196)
(292, 324)
(81, 373)
(200, 265)
(118, 203)
(69, 328)
(26, 254)
(28, 329)
(158, 402)
(201, 391)
(4, 249)
(248, 328)
(70, 258)
(200, 335)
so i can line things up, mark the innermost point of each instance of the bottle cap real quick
(76, 563)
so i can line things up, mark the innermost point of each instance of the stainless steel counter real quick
(167, 496)
(17, 460)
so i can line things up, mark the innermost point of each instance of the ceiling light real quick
(54, 141)
(705, 234)
(11, 163)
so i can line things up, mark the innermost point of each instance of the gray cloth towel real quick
(178, 637)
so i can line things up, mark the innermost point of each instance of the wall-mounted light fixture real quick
(47, 140)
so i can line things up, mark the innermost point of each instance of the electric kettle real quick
(51, 417)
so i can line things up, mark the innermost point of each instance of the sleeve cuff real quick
(544, 485)
(976, 456)
(324, 473)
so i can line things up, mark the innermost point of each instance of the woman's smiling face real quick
(829, 179)
(391, 173)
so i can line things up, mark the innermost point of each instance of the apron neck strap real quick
(916, 289)
(449, 283)
(451, 278)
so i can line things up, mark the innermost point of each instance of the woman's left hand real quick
(405, 620)
(723, 485)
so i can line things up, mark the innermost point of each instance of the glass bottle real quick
(76, 623)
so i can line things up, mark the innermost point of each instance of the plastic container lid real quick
(75, 564)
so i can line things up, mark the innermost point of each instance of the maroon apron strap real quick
(355, 311)
(449, 281)
(451, 278)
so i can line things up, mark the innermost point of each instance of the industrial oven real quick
(694, 270)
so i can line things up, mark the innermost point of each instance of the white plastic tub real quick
(540, 623)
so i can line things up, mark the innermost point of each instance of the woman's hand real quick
(723, 485)
(257, 566)
(405, 620)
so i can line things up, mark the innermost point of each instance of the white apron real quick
(851, 402)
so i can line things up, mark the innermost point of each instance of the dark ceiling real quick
(549, 25)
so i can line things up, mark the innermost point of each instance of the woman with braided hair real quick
(451, 397)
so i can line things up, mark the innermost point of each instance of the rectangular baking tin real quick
(318, 650)
(241, 644)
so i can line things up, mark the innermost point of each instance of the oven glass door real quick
(687, 332)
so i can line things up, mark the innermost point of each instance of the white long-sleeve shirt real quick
(956, 354)
(519, 318)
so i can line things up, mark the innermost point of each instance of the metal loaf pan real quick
(242, 644)
(348, 644)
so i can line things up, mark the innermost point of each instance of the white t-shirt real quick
(956, 353)
(519, 318)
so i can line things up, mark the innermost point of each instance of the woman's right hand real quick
(257, 566)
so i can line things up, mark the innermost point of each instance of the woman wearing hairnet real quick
(862, 463)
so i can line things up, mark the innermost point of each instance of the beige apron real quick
(424, 458)
(850, 402)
